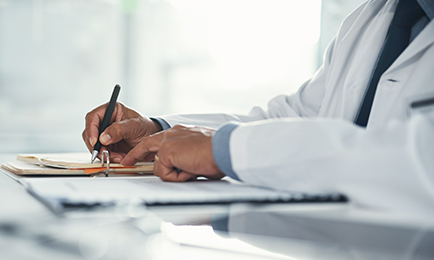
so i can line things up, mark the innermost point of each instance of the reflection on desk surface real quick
(303, 237)
(312, 234)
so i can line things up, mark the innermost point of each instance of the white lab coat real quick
(308, 142)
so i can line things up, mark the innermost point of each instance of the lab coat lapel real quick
(420, 43)
(374, 23)
(342, 97)
(400, 72)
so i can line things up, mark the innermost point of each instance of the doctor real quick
(363, 125)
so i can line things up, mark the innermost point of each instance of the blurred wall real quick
(61, 58)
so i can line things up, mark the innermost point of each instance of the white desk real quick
(28, 230)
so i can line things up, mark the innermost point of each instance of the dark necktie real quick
(407, 13)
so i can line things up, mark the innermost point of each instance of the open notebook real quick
(68, 164)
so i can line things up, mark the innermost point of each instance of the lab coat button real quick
(393, 80)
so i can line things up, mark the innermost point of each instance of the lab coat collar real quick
(428, 7)
(420, 43)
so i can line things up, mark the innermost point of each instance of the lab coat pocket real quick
(421, 105)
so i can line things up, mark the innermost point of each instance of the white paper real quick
(149, 189)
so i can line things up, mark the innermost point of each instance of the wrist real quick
(157, 126)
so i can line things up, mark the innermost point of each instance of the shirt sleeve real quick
(164, 125)
(221, 151)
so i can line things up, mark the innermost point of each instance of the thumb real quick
(117, 132)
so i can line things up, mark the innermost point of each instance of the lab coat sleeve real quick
(305, 103)
(389, 166)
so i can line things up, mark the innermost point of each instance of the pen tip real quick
(94, 154)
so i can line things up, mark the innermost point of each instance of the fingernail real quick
(117, 160)
(92, 141)
(105, 139)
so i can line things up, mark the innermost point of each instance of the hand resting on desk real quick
(181, 147)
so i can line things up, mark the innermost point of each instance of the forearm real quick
(387, 167)
(208, 120)
(279, 107)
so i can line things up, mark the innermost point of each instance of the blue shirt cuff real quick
(164, 125)
(221, 151)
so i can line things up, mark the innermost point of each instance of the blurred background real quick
(61, 58)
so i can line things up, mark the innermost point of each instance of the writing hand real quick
(127, 128)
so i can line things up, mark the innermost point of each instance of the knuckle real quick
(165, 150)
(128, 125)
(178, 127)
(165, 177)
(115, 130)
(171, 132)
(88, 116)
(121, 108)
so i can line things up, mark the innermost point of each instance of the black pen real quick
(106, 120)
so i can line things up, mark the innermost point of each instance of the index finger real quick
(141, 150)
(93, 122)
